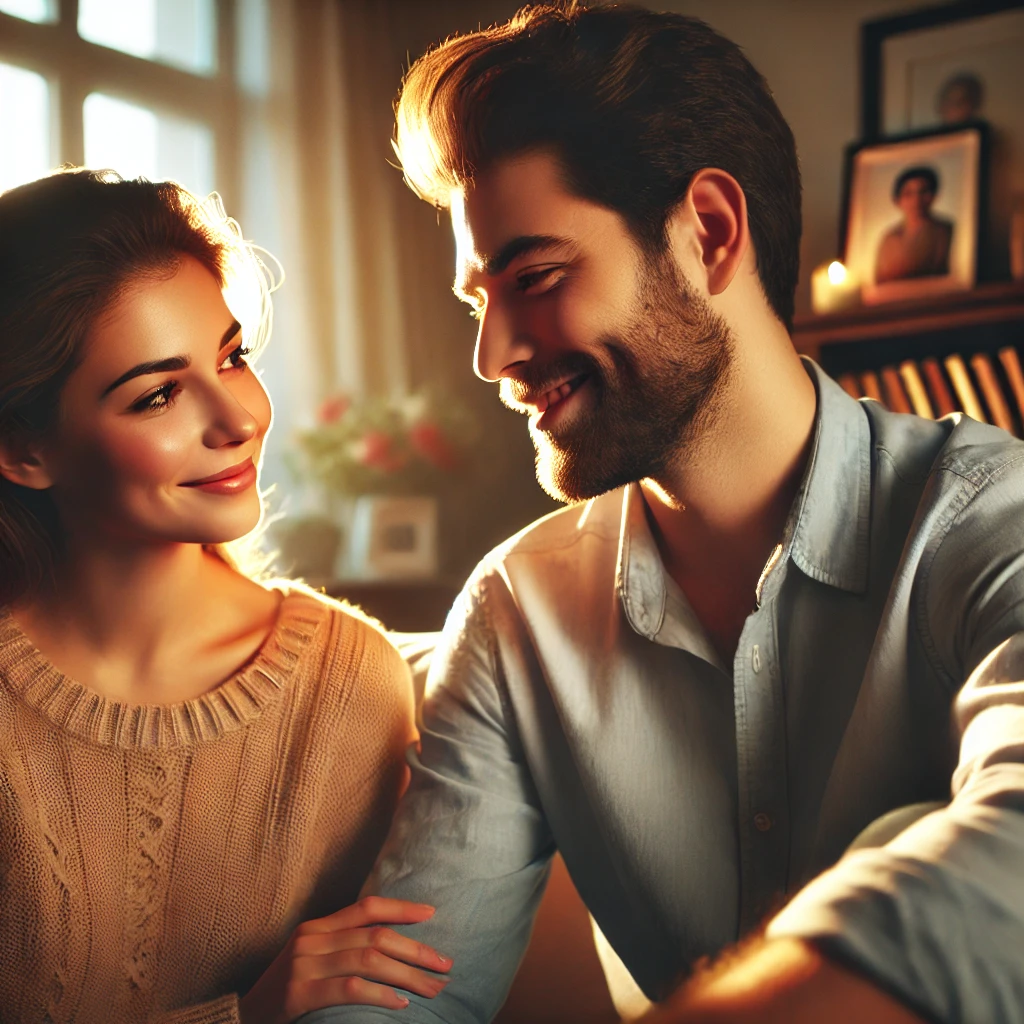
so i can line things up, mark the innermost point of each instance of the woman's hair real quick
(70, 244)
(631, 102)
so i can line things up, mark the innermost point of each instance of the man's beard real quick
(652, 397)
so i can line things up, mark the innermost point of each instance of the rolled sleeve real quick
(936, 916)
(469, 836)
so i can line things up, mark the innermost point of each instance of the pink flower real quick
(332, 409)
(428, 439)
(376, 452)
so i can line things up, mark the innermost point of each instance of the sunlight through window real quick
(25, 122)
(135, 141)
(179, 32)
(30, 10)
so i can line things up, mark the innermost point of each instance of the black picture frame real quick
(875, 33)
(979, 233)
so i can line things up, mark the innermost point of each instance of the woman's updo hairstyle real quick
(70, 244)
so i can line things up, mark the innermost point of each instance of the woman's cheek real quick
(154, 451)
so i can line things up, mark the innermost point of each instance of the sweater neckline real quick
(228, 707)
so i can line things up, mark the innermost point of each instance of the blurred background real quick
(401, 467)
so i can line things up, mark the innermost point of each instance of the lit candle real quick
(833, 288)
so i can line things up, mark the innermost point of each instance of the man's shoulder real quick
(956, 446)
(561, 532)
(554, 554)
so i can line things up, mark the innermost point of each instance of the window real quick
(139, 86)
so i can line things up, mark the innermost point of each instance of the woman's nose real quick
(231, 423)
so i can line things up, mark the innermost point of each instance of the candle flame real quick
(836, 272)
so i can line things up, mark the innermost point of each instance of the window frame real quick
(74, 67)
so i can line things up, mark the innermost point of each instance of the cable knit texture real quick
(155, 859)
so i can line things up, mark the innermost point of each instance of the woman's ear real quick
(21, 462)
(714, 216)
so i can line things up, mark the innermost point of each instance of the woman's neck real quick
(124, 621)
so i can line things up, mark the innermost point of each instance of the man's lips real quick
(551, 396)
(224, 474)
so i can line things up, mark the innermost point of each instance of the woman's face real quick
(162, 402)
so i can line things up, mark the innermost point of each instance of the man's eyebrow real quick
(523, 245)
(164, 365)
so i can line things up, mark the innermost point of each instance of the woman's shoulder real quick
(350, 648)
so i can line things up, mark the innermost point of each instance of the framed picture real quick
(945, 65)
(914, 208)
(393, 537)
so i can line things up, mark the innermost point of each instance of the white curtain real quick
(367, 304)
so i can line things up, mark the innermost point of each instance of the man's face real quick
(614, 358)
(916, 197)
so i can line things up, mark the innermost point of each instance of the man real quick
(743, 643)
(919, 245)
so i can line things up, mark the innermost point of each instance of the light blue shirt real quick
(574, 702)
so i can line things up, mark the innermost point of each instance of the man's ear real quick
(714, 215)
(21, 462)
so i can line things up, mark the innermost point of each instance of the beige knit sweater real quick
(155, 859)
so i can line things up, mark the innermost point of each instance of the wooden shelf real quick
(987, 304)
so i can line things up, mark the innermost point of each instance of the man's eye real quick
(162, 398)
(531, 278)
(235, 360)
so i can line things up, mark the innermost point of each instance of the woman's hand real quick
(347, 957)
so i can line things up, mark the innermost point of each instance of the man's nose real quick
(500, 346)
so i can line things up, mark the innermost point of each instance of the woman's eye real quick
(235, 359)
(160, 399)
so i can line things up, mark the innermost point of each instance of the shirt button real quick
(755, 658)
(762, 822)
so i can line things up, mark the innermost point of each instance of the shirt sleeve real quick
(936, 916)
(469, 836)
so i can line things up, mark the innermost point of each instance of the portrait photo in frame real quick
(914, 211)
(944, 65)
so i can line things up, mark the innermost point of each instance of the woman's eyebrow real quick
(153, 366)
(163, 365)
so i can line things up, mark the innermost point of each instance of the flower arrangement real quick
(383, 446)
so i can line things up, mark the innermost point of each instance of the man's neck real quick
(719, 512)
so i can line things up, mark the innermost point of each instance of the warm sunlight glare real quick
(836, 272)
(126, 25)
(25, 122)
(30, 10)
(120, 135)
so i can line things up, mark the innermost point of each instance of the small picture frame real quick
(914, 211)
(393, 537)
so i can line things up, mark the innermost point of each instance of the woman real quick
(196, 771)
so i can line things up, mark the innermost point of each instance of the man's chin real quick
(570, 480)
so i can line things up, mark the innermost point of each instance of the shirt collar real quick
(828, 528)
(829, 525)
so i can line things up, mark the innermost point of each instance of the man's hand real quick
(781, 981)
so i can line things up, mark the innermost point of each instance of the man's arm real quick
(931, 923)
(782, 981)
(469, 836)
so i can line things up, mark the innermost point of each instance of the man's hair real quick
(631, 102)
(927, 173)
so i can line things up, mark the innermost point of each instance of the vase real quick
(308, 548)
(392, 537)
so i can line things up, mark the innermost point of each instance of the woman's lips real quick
(229, 481)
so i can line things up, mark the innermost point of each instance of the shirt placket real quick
(763, 804)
